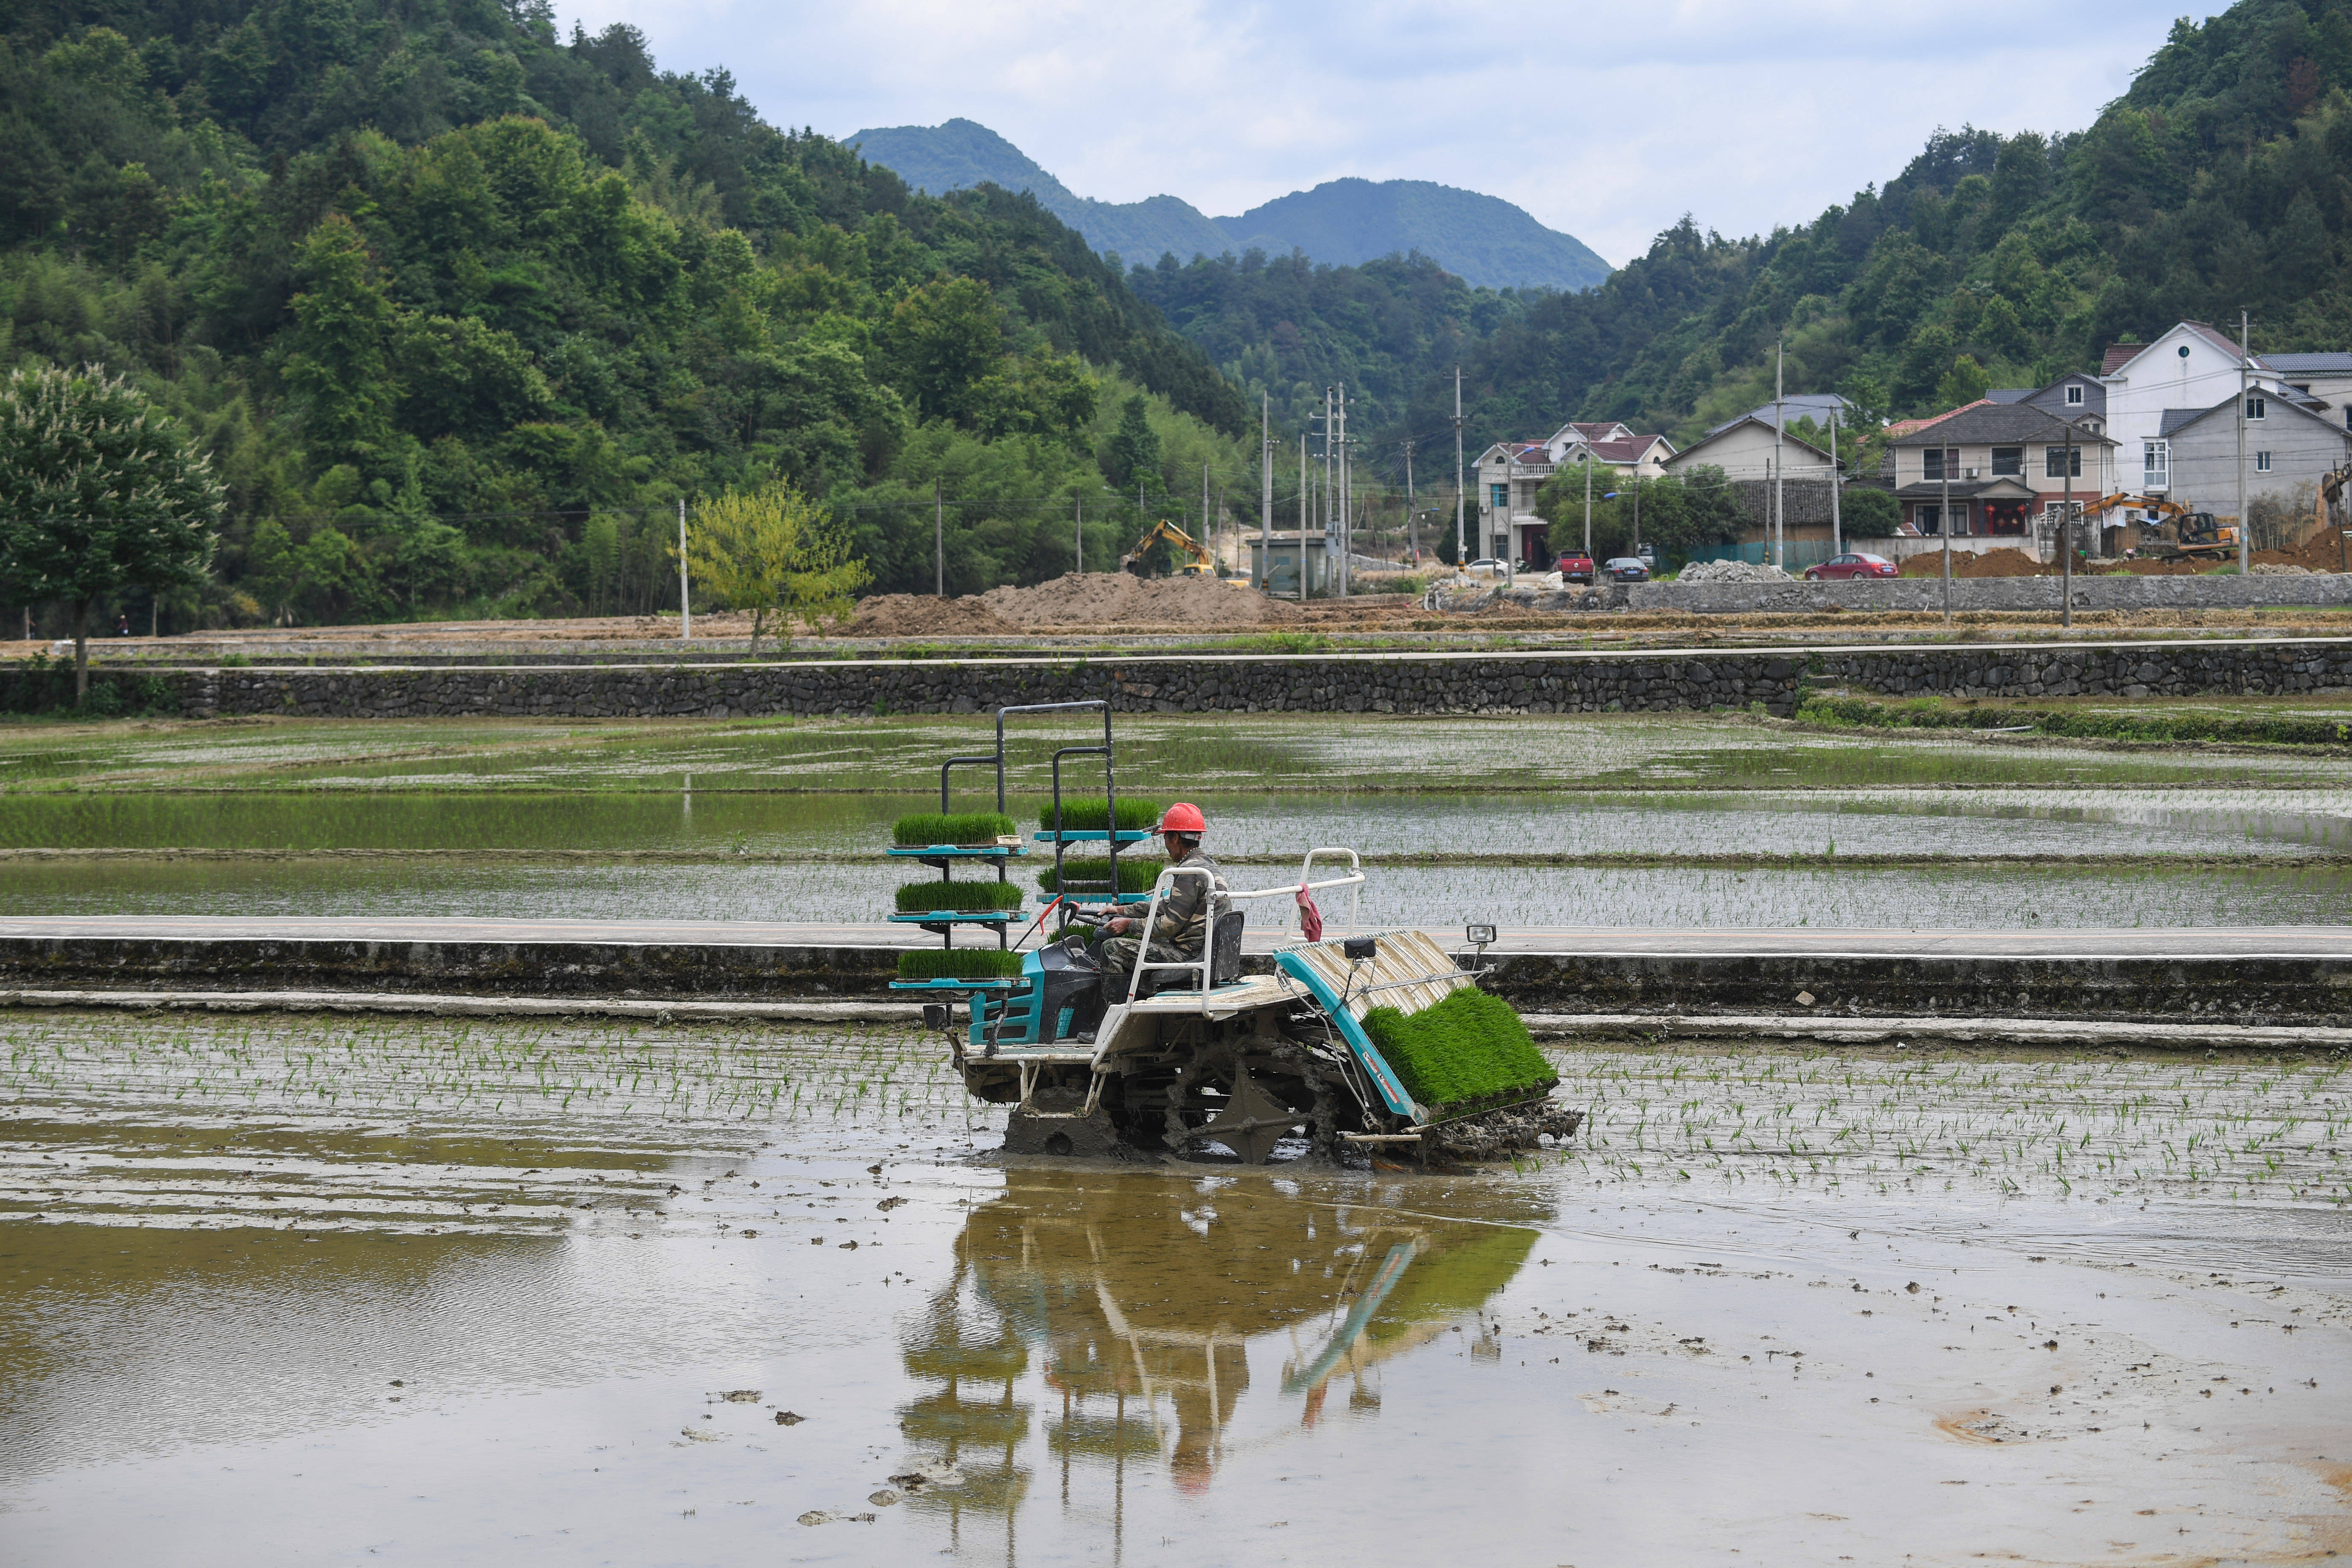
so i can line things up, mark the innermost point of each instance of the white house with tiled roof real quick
(2192, 366)
(1510, 473)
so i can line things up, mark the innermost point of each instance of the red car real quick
(1574, 568)
(1856, 564)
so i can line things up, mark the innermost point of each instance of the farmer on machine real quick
(1182, 932)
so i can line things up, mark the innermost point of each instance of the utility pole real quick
(1347, 498)
(1837, 526)
(1330, 430)
(2245, 529)
(2067, 535)
(684, 610)
(1588, 512)
(1779, 459)
(1208, 538)
(1302, 516)
(1411, 523)
(1079, 552)
(1460, 560)
(1264, 572)
(1944, 527)
(940, 536)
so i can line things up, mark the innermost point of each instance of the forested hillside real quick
(461, 310)
(2220, 182)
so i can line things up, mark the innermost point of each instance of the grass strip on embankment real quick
(2158, 728)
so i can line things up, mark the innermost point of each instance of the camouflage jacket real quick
(1190, 907)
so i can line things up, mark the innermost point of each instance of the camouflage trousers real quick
(1119, 956)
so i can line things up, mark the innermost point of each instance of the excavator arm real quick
(1198, 561)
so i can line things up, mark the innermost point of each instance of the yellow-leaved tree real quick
(773, 550)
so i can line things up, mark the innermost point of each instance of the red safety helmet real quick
(1184, 817)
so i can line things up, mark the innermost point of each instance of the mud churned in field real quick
(303, 1290)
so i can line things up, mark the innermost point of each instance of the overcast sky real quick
(1609, 122)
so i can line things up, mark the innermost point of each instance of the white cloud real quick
(1609, 122)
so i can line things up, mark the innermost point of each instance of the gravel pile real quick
(1731, 572)
(2267, 569)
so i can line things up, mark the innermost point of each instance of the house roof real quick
(2121, 354)
(1814, 406)
(1903, 428)
(2004, 488)
(1995, 424)
(1632, 450)
(2010, 393)
(2182, 418)
(1765, 425)
(2333, 362)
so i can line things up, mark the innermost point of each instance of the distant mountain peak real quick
(1483, 239)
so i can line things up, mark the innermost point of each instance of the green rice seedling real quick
(1467, 1049)
(1089, 815)
(920, 898)
(1136, 875)
(930, 827)
(957, 963)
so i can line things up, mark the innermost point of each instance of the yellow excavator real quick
(2170, 532)
(1196, 559)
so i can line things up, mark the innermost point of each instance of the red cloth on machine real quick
(1310, 919)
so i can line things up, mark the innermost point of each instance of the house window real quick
(1498, 497)
(2075, 396)
(1942, 463)
(2053, 462)
(2256, 408)
(2156, 465)
(2261, 462)
(2008, 462)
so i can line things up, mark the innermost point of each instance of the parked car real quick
(1626, 569)
(1574, 567)
(1486, 566)
(1856, 564)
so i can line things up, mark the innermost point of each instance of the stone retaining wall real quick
(2230, 591)
(1546, 682)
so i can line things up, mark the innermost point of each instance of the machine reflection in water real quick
(1142, 1312)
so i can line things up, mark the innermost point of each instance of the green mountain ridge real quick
(1483, 240)
(460, 311)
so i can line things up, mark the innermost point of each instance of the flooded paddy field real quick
(1606, 820)
(1439, 898)
(299, 1289)
(1245, 752)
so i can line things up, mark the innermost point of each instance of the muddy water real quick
(294, 1290)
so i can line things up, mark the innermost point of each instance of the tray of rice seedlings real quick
(1467, 1053)
(955, 833)
(953, 967)
(933, 897)
(1088, 821)
(1090, 875)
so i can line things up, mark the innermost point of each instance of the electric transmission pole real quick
(1460, 560)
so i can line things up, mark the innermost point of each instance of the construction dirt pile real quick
(1971, 563)
(1122, 599)
(2323, 551)
(1731, 572)
(926, 615)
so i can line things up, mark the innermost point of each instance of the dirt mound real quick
(1122, 599)
(2321, 553)
(925, 616)
(2003, 562)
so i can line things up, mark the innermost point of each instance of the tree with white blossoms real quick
(99, 492)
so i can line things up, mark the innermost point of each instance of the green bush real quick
(927, 828)
(921, 897)
(1468, 1048)
(1136, 874)
(1087, 815)
(957, 963)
